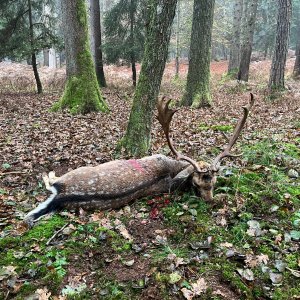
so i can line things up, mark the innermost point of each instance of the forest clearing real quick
(149, 149)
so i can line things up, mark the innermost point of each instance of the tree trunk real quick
(33, 57)
(235, 47)
(177, 41)
(246, 50)
(197, 89)
(137, 140)
(296, 71)
(132, 52)
(82, 93)
(97, 43)
(276, 81)
(46, 57)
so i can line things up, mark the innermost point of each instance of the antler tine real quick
(236, 133)
(164, 117)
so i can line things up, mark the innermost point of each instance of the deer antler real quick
(236, 133)
(164, 117)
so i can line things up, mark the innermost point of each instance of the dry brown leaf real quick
(43, 294)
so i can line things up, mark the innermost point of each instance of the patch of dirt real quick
(152, 292)
(221, 289)
(144, 232)
(119, 271)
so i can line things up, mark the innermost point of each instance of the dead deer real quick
(117, 183)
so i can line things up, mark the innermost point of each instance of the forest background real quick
(78, 87)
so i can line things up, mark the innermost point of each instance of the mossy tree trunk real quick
(276, 81)
(249, 20)
(97, 44)
(235, 47)
(33, 56)
(137, 139)
(82, 93)
(198, 87)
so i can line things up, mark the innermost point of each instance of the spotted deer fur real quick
(112, 184)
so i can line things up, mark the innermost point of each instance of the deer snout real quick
(205, 185)
(207, 195)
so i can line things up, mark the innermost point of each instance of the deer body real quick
(116, 183)
(113, 184)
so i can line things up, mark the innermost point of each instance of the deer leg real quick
(47, 183)
(52, 177)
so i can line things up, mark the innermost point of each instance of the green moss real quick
(202, 99)
(224, 128)
(292, 260)
(229, 274)
(203, 127)
(286, 294)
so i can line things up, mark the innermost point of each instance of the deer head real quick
(204, 175)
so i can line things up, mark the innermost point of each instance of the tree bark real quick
(82, 93)
(235, 47)
(246, 50)
(137, 140)
(276, 81)
(296, 71)
(97, 43)
(33, 56)
(177, 40)
(132, 54)
(197, 89)
(46, 57)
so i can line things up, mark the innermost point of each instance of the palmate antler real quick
(215, 166)
(165, 115)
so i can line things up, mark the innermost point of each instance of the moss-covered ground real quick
(174, 240)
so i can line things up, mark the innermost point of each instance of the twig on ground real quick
(13, 172)
(56, 233)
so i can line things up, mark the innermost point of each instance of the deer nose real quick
(207, 195)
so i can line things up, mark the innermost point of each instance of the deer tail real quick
(44, 208)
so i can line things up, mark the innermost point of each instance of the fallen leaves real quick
(197, 288)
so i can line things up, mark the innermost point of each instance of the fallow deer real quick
(117, 183)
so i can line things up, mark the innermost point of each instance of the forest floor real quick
(246, 245)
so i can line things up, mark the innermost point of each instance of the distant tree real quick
(26, 28)
(137, 139)
(33, 55)
(221, 33)
(296, 71)
(177, 39)
(235, 45)
(97, 41)
(249, 18)
(82, 93)
(265, 28)
(197, 89)
(124, 27)
(276, 81)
